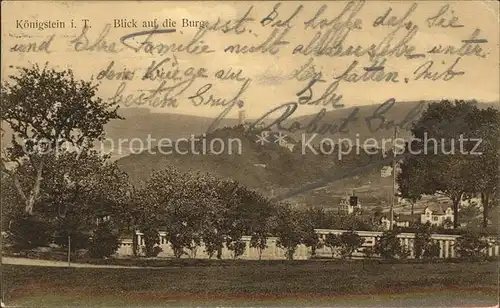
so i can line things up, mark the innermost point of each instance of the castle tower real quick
(241, 117)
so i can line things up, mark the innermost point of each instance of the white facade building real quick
(400, 220)
(386, 223)
(437, 214)
(345, 206)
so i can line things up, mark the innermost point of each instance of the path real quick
(38, 262)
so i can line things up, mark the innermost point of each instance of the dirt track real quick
(36, 262)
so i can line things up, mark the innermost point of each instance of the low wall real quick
(273, 252)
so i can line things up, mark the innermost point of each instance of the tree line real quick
(90, 199)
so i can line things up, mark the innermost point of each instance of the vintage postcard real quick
(250, 153)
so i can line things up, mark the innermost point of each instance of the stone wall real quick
(273, 252)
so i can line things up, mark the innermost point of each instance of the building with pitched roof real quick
(437, 214)
(349, 205)
(400, 220)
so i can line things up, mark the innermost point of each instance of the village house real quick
(400, 220)
(349, 205)
(437, 214)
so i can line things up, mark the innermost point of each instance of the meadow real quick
(307, 283)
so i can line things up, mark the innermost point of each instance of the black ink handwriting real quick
(424, 72)
(204, 98)
(82, 42)
(379, 115)
(110, 73)
(160, 71)
(161, 96)
(351, 23)
(306, 72)
(237, 25)
(271, 18)
(42, 46)
(469, 47)
(271, 45)
(195, 46)
(442, 20)
(331, 43)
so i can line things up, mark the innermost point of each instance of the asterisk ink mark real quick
(280, 138)
(262, 137)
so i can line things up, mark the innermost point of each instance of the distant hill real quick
(141, 122)
(271, 169)
(400, 113)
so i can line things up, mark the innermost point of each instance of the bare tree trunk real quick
(135, 244)
(485, 200)
(456, 202)
(29, 202)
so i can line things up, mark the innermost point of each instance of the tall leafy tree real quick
(485, 127)
(333, 242)
(311, 219)
(411, 181)
(445, 164)
(83, 190)
(48, 111)
(168, 203)
(288, 229)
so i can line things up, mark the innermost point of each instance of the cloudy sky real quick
(270, 85)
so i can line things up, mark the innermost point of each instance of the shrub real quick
(151, 239)
(423, 240)
(432, 250)
(332, 241)
(104, 242)
(72, 228)
(237, 247)
(213, 242)
(388, 245)
(77, 239)
(288, 231)
(350, 242)
(311, 239)
(156, 251)
(471, 246)
(28, 232)
(259, 241)
(289, 242)
(404, 253)
(369, 252)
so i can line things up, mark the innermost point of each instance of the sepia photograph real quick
(250, 153)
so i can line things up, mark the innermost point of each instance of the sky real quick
(269, 82)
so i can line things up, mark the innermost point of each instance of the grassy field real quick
(307, 283)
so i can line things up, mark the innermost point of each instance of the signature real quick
(379, 116)
(286, 110)
(375, 122)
